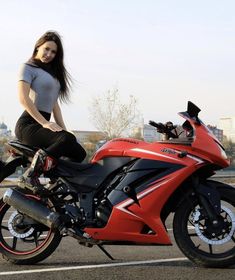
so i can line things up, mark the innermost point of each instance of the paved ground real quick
(72, 261)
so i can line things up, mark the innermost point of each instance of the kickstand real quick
(104, 251)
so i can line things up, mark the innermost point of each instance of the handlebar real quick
(165, 129)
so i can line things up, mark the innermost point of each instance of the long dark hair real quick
(57, 65)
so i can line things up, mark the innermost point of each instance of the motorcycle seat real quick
(73, 164)
(22, 148)
(65, 161)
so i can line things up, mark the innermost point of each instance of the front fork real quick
(209, 199)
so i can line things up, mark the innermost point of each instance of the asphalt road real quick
(72, 261)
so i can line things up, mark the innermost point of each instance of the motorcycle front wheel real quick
(22, 240)
(201, 241)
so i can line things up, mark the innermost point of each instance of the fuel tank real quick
(129, 147)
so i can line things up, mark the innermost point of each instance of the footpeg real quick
(36, 189)
(80, 235)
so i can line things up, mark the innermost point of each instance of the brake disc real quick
(17, 227)
(228, 231)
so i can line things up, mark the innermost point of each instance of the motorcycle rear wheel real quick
(199, 240)
(22, 242)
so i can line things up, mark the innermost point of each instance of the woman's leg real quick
(56, 144)
(52, 146)
(41, 163)
(65, 144)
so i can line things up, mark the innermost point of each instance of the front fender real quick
(206, 188)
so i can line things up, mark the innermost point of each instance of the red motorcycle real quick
(124, 196)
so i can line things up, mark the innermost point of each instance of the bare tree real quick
(111, 116)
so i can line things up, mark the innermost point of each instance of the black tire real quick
(198, 239)
(39, 241)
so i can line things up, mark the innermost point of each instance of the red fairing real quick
(204, 146)
(117, 147)
(127, 147)
(128, 218)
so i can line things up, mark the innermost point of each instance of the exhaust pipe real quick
(32, 208)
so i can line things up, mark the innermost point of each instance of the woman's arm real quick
(23, 93)
(58, 116)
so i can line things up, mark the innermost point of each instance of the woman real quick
(42, 81)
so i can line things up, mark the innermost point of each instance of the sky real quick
(164, 53)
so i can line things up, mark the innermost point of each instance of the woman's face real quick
(46, 52)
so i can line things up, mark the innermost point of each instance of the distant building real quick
(217, 132)
(228, 127)
(84, 136)
(3, 128)
(4, 132)
(150, 134)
